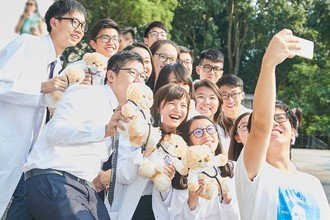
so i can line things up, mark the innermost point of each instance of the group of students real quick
(62, 159)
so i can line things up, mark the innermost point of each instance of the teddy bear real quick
(170, 151)
(139, 129)
(96, 64)
(74, 75)
(204, 165)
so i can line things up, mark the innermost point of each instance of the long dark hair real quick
(179, 181)
(235, 148)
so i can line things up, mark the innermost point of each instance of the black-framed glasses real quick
(199, 132)
(134, 73)
(208, 68)
(281, 117)
(106, 38)
(185, 62)
(75, 23)
(234, 95)
(164, 58)
(243, 126)
(155, 34)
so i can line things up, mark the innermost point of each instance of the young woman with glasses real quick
(163, 52)
(185, 204)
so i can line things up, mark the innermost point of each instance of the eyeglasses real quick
(164, 58)
(243, 127)
(234, 95)
(199, 132)
(208, 68)
(133, 72)
(155, 34)
(185, 62)
(29, 4)
(106, 38)
(75, 23)
(281, 117)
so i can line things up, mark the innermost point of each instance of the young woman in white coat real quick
(135, 196)
(187, 204)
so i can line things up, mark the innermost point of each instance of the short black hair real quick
(100, 25)
(152, 25)
(119, 59)
(183, 49)
(211, 54)
(231, 81)
(127, 30)
(60, 8)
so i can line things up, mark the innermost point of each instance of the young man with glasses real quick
(154, 31)
(77, 140)
(232, 94)
(27, 67)
(186, 58)
(104, 39)
(210, 65)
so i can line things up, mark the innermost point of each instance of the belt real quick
(38, 172)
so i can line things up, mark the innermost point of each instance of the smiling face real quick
(209, 137)
(173, 113)
(211, 75)
(107, 49)
(207, 102)
(64, 34)
(166, 50)
(231, 106)
(146, 59)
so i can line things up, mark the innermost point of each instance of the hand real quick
(115, 123)
(169, 170)
(102, 181)
(281, 47)
(193, 196)
(227, 198)
(88, 79)
(58, 83)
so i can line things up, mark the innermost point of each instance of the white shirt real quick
(275, 194)
(24, 64)
(73, 140)
(130, 186)
(224, 139)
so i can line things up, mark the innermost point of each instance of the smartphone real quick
(307, 48)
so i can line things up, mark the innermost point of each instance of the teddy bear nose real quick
(206, 159)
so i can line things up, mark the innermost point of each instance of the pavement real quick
(314, 162)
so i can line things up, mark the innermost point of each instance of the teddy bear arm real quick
(220, 160)
(193, 181)
(178, 165)
(128, 110)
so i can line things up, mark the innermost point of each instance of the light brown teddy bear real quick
(96, 64)
(170, 151)
(139, 129)
(204, 165)
(74, 75)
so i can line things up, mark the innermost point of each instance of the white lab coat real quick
(130, 186)
(24, 64)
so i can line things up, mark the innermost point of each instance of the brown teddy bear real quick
(204, 165)
(96, 65)
(170, 151)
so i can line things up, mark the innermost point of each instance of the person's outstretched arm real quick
(279, 48)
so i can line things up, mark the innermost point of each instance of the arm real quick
(20, 23)
(264, 101)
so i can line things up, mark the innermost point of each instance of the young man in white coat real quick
(61, 169)
(27, 65)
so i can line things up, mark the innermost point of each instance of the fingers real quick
(169, 170)
(116, 123)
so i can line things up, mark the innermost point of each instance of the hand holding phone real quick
(307, 48)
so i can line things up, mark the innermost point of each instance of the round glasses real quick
(185, 62)
(164, 58)
(208, 68)
(106, 38)
(199, 132)
(234, 95)
(133, 72)
(75, 23)
(281, 117)
(243, 126)
(155, 34)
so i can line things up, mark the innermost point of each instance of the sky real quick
(10, 13)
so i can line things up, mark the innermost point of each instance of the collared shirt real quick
(73, 140)
(24, 64)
